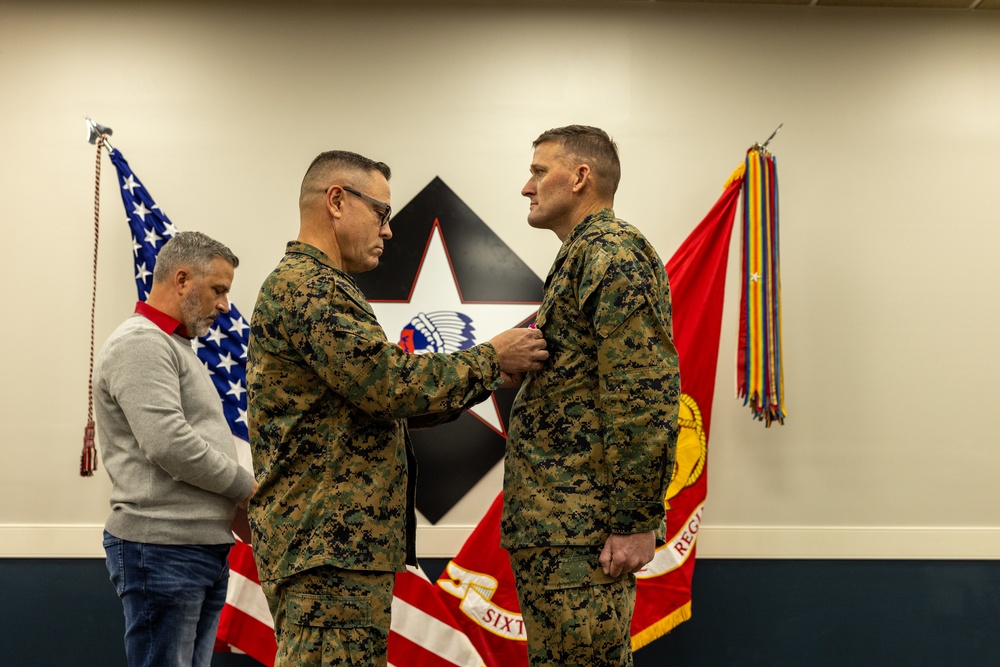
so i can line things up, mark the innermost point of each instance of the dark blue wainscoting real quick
(801, 613)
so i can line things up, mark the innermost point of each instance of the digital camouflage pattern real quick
(593, 435)
(574, 614)
(329, 616)
(329, 397)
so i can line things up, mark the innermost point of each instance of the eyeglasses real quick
(385, 210)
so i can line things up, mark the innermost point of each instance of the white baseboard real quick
(51, 540)
(847, 542)
(776, 542)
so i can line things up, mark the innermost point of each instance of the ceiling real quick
(977, 5)
(956, 5)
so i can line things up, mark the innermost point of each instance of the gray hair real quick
(333, 161)
(593, 146)
(193, 251)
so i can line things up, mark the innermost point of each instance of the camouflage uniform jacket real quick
(329, 398)
(592, 436)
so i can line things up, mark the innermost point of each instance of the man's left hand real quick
(627, 553)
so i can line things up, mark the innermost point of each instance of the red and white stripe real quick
(246, 623)
(423, 632)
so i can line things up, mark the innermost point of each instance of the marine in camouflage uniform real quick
(590, 451)
(329, 402)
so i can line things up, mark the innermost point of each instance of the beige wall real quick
(888, 168)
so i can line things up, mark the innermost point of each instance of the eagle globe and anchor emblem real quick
(689, 466)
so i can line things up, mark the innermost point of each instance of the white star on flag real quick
(236, 389)
(152, 238)
(226, 361)
(168, 228)
(216, 335)
(436, 289)
(140, 210)
(130, 184)
(239, 324)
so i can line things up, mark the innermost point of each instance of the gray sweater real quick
(165, 441)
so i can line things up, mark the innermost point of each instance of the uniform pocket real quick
(329, 611)
(574, 571)
(329, 629)
(590, 628)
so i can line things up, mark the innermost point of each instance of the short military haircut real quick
(333, 161)
(592, 146)
(193, 251)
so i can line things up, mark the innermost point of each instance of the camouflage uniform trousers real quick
(329, 616)
(574, 614)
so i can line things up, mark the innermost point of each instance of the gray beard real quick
(196, 325)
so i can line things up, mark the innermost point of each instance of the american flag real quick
(223, 349)
(423, 633)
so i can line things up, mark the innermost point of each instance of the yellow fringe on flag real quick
(735, 176)
(661, 627)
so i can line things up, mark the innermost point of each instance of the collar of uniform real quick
(581, 227)
(300, 248)
(168, 324)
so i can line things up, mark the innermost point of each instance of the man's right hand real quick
(520, 350)
(245, 503)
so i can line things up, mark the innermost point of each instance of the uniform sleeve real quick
(146, 386)
(343, 342)
(639, 388)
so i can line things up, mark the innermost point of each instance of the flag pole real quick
(763, 146)
(96, 131)
(96, 134)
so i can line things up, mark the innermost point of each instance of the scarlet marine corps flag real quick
(478, 587)
(697, 273)
(478, 584)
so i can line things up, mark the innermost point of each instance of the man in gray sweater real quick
(172, 460)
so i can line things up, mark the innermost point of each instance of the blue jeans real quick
(172, 596)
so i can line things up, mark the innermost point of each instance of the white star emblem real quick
(236, 389)
(226, 361)
(243, 354)
(239, 324)
(196, 345)
(141, 211)
(130, 184)
(215, 334)
(436, 289)
(152, 238)
(168, 227)
(142, 272)
(136, 247)
(242, 417)
(755, 277)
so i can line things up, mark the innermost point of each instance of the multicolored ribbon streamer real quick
(760, 376)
